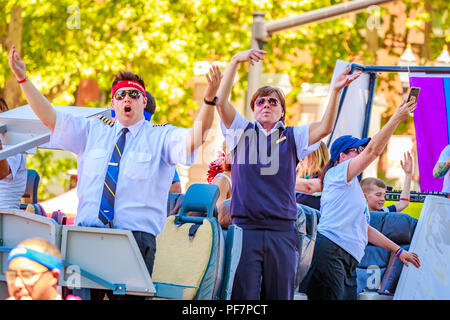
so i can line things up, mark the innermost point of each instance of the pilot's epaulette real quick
(161, 125)
(106, 120)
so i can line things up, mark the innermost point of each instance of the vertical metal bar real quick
(341, 102)
(373, 78)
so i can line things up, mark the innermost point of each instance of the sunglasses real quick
(357, 149)
(121, 94)
(262, 101)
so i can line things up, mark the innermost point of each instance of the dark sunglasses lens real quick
(260, 101)
(120, 94)
(134, 94)
(273, 101)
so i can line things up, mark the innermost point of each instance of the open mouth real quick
(127, 109)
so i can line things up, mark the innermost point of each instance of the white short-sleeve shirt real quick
(146, 170)
(344, 214)
(12, 187)
(301, 135)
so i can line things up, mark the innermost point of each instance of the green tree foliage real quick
(64, 41)
(52, 170)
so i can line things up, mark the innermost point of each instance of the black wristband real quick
(211, 103)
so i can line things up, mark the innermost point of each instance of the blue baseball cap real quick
(345, 142)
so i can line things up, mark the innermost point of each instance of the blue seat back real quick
(33, 179)
(201, 198)
(306, 225)
(233, 248)
(379, 270)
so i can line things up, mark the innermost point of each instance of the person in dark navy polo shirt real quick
(265, 156)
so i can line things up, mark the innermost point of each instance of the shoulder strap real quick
(106, 120)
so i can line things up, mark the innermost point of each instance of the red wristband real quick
(404, 199)
(23, 80)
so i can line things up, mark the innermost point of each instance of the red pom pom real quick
(215, 167)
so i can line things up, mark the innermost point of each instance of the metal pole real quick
(424, 69)
(255, 71)
(322, 14)
(373, 79)
(262, 30)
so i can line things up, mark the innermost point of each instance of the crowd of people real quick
(261, 167)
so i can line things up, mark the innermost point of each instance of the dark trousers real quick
(147, 246)
(267, 266)
(332, 275)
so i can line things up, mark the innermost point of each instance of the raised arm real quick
(224, 107)
(205, 117)
(378, 239)
(407, 166)
(308, 186)
(40, 105)
(442, 165)
(379, 141)
(4, 166)
(319, 130)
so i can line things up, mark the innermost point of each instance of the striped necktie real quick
(106, 212)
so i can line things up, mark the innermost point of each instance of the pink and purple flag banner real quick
(432, 125)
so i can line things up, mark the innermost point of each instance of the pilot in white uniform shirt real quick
(146, 170)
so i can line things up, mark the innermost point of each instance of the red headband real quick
(128, 83)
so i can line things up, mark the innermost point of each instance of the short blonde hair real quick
(367, 184)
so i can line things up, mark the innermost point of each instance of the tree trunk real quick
(11, 92)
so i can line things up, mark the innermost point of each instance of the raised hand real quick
(214, 76)
(252, 56)
(344, 79)
(404, 109)
(407, 163)
(16, 64)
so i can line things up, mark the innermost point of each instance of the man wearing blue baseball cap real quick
(344, 231)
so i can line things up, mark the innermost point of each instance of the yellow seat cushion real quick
(180, 260)
(413, 209)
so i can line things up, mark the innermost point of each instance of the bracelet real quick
(404, 199)
(399, 252)
(211, 103)
(23, 80)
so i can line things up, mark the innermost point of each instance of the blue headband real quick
(46, 259)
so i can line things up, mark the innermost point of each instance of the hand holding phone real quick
(413, 92)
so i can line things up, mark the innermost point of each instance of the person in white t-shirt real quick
(344, 230)
(441, 169)
(13, 175)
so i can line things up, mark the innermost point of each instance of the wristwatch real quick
(211, 103)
